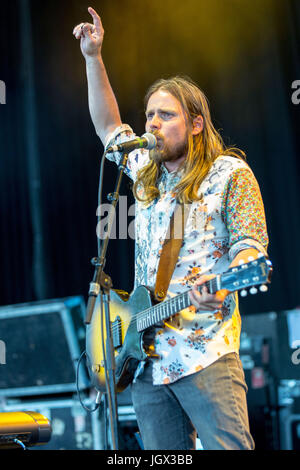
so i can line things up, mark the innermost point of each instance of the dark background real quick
(243, 53)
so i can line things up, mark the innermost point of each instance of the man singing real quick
(196, 385)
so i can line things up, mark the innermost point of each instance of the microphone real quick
(147, 141)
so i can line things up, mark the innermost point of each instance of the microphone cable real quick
(99, 394)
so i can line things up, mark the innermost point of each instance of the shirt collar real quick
(171, 174)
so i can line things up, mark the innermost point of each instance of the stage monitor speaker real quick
(43, 341)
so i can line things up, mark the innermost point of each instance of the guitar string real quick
(144, 314)
(164, 305)
(211, 284)
(116, 328)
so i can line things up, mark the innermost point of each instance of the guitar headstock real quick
(255, 272)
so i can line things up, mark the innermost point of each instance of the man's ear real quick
(197, 125)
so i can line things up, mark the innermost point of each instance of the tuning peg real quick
(263, 288)
(243, 264)
(253, 290)
(243, 293)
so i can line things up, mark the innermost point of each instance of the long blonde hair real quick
(203, 148)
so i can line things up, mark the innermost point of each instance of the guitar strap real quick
(170, 250)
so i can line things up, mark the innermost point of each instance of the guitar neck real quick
(255, 273)
(170, 307)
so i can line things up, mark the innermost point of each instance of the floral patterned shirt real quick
(228, 219)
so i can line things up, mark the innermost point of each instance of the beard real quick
(167, 153)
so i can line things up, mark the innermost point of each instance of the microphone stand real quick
(102, 284)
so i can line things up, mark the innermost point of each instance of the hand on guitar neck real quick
(210, 302)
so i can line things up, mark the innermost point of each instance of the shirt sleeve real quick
(244, 214)
(136, 159)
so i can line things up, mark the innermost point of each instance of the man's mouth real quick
(159, 140)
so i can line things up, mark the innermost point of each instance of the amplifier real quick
(43, 342)
(270, 354)
(281, 332)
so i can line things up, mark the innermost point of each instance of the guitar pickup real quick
(116, 328)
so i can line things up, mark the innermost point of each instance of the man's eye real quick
(166, 114)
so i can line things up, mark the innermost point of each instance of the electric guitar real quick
(132, 317)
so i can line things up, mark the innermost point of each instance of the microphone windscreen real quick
(151, 140)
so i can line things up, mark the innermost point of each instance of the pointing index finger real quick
(96, 19)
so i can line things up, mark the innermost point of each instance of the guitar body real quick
(128, 342)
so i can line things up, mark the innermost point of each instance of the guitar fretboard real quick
(236, 278)
(170, 307)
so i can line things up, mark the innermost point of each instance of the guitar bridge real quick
(116, 328)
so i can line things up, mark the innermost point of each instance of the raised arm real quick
(103, 106)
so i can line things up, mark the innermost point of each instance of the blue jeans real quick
(210, 403)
